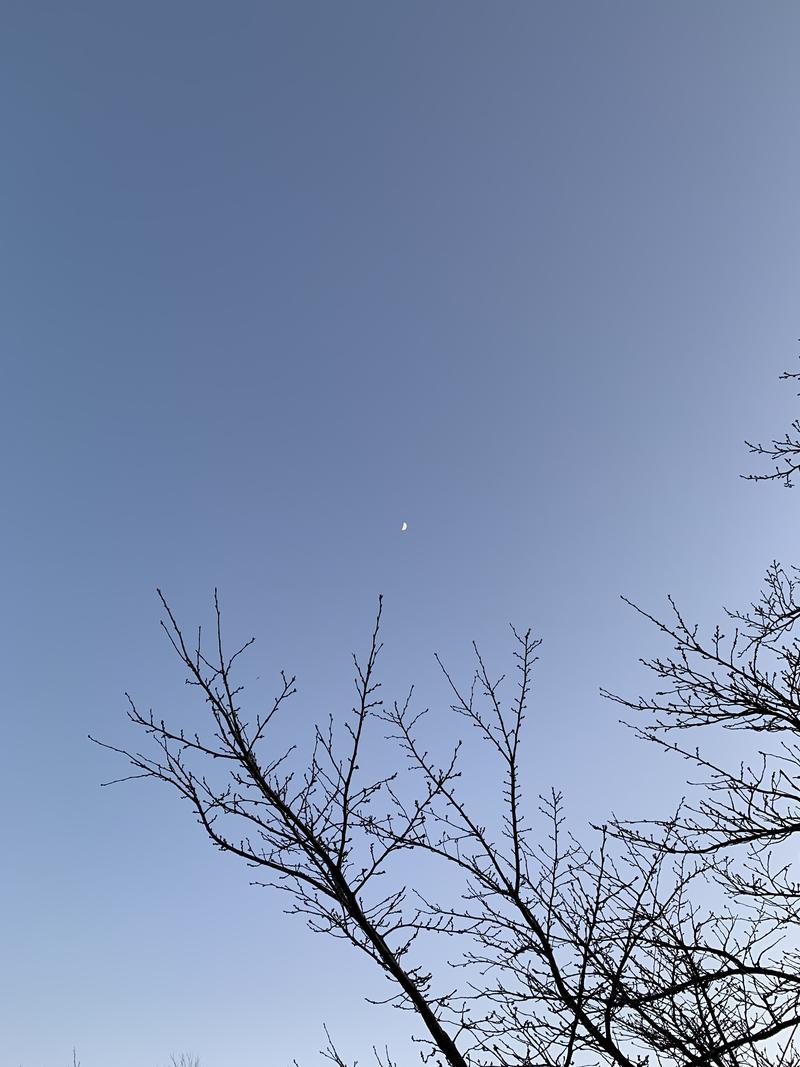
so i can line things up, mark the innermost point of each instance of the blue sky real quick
(279, 277)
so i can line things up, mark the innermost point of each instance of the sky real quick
(276, 278)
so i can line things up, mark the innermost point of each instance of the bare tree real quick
(741, 819)
(602, 952)
(783, 451)
(671, 941)
(305, 825)
(563, 951)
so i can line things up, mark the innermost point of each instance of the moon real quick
(404, 527)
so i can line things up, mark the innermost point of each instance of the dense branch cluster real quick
(784, 451)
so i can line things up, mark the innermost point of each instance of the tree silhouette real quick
(783, 451)
(664, 941)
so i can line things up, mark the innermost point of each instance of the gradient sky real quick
(277, 277)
